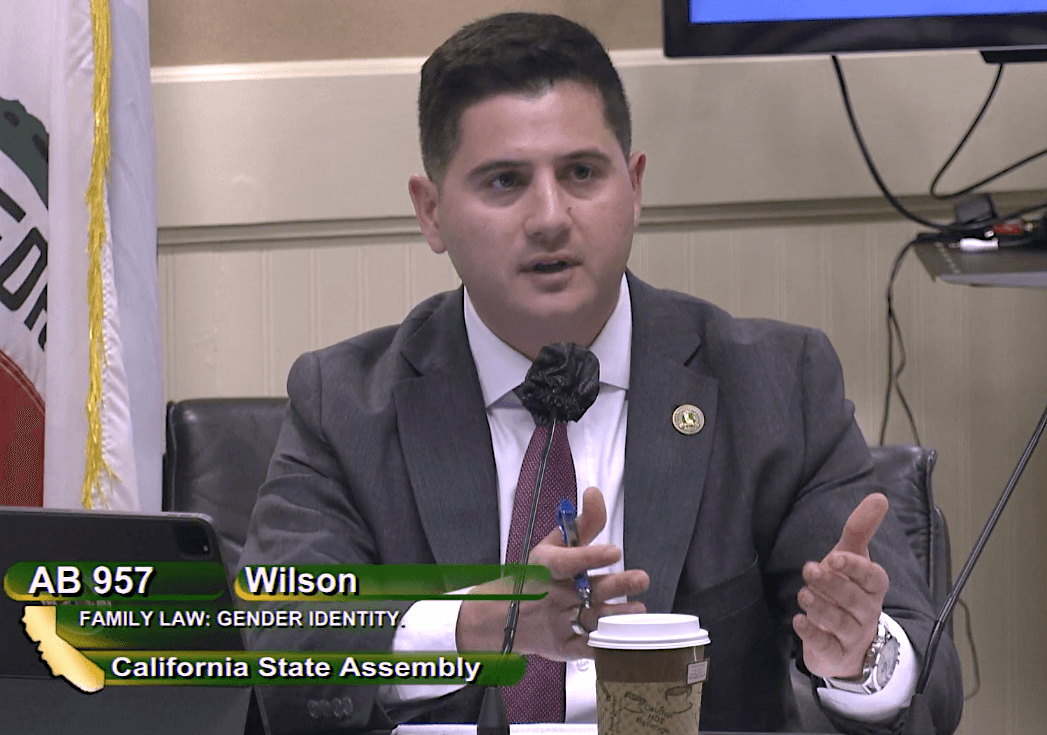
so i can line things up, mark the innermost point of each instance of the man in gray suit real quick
(403, 445)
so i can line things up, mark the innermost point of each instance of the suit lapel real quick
(446, 441)
(665, 470)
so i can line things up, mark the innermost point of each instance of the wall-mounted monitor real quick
(763, 27)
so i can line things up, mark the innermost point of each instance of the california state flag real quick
(81, 405)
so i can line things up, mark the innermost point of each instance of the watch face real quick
(886, 662)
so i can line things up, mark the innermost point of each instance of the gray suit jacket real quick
(386, 457)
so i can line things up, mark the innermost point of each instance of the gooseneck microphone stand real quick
(493, 719)
(512, 619)
(919, 721)
(561, 384)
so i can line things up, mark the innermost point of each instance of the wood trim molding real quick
(395, 230)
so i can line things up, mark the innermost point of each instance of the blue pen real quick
(566, 519)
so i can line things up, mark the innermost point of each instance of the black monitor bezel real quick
(685, 39)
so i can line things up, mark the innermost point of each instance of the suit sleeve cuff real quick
(428, 625)
(884, 705)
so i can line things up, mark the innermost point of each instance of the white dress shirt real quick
(598, 447)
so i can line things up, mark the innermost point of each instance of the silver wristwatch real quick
(880, 661)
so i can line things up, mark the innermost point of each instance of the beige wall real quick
(285, 225)
(235, 31)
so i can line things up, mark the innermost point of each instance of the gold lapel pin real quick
(688, 419)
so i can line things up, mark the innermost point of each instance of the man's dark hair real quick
(512, 52)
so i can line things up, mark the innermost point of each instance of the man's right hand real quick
(545, 625)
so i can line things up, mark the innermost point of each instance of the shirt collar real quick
(501, 368)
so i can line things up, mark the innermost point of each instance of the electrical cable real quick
(963, 142)
(892, 200)
(948, 229)
(893, 325)
(992, 177)
(894, 373)
(974, 653)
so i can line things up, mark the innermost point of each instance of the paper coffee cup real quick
(649, 674)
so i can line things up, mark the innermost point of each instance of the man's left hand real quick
(844, 597)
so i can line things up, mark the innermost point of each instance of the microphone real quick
(561, 384)
(918, 720)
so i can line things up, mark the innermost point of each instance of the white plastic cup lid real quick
(648, 632)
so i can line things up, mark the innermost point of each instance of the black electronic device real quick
(1013, 28)
(34, 701)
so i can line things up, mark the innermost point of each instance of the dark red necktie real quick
(539, 696)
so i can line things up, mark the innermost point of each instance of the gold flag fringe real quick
(95, 465)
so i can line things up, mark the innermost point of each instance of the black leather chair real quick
(217, 456)
(904, 471)
(218, 452)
